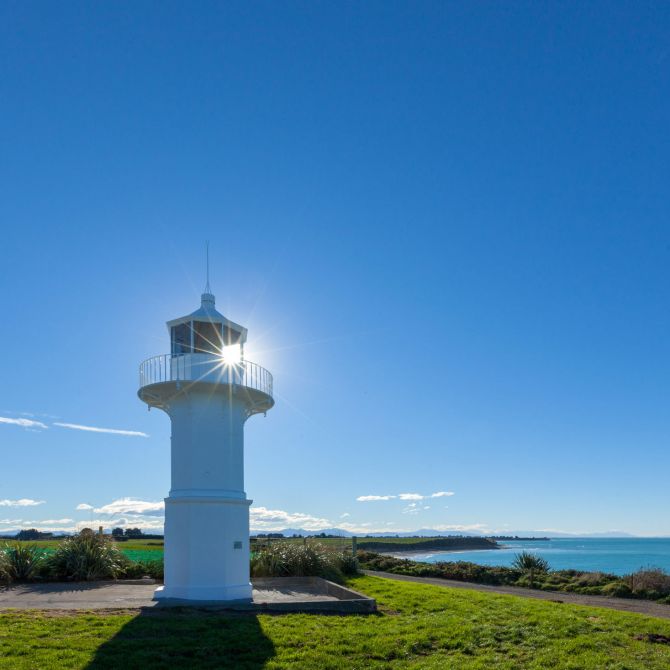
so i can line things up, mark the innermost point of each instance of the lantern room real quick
(207, 331)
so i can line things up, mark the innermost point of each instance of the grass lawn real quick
(419, 626)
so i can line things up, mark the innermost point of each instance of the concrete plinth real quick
(287, 594)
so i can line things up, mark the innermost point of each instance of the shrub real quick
(618, 589)
(462, 571)
(593, 579)
(139, 569)
(21, 562)
(649, 581)
(530, 563)
(349, 564)
(4, 569)
(87, 557)
(283, 559)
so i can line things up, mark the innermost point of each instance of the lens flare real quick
(232, 354)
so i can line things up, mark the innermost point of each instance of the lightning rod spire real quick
(207, 289)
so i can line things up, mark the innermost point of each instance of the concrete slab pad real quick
(288, 594)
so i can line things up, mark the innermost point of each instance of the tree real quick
(117, 532)
(28, 534)
(133, 532)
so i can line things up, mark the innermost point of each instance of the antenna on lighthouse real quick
(207, 289)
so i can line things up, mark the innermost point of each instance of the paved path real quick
(281, 594)
(82, 595)
(624, 604)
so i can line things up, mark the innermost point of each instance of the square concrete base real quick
(203, 596)
(290, 594)
(283, 594)
(308, 594)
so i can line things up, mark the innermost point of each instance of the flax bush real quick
(4, 568)
(530, 563)
(284, 559)
(20, 562)
(87, 557)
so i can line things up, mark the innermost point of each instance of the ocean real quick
(619, 556)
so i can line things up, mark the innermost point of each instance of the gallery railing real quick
(204, 367)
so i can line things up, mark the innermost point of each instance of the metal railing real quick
(204, 367)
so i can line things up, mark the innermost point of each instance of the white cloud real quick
(406, 496)
(414, 508)
(125, 512)
(371, 498)
(25, 423)
(146, 523)
(263, 519)
(132, 506)
(345, 515)
(94, 429)
(153, 523)
(22, 502)
(33, 423)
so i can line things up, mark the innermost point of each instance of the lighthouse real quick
(209, 390)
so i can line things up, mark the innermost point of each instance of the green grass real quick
(135, 545)
(143, 554)
(419, 626)
(135, 550)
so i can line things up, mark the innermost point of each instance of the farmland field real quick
(135, 550)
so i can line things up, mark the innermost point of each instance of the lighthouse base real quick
(204, 595)
(206, 550)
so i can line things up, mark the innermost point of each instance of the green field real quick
(419, 626)
(136, 550)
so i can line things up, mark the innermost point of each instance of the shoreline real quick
(421, 552)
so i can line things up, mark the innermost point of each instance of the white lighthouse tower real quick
(208, 390)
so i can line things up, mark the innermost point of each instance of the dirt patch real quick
(653, 637)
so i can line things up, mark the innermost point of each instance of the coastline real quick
(425, 545)
(420, 552)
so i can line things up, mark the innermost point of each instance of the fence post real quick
(354, 546)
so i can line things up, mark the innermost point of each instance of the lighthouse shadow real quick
(186, 638)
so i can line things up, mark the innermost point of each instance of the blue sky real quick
(445, 225)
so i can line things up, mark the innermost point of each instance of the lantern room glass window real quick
(207, 337)
(181, 339)
(230, 336)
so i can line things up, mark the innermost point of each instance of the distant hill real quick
(431, 532)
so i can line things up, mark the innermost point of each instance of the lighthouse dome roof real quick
(207, 312)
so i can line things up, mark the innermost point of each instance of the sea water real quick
(619, 556)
